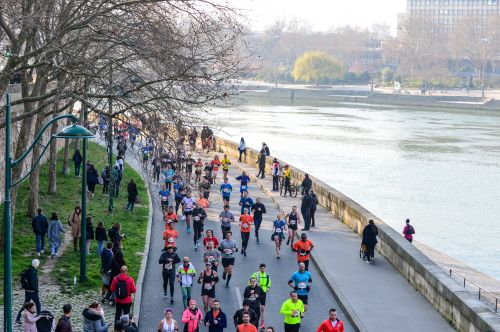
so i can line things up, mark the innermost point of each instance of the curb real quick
(350, 313)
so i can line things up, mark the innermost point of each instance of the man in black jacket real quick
(252, 293)
(258, 209)
(238, 315)
(169, 258)
(40, 225)
(128, 324)
(305, 208)
(106, 261)
(31, 288)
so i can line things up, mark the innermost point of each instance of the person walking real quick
(101, 237)
(77, 160)
(29, 282)
(29, 317)
(303, 249)
(246, 222)
(305, 209)
(74, 222)
(89, 234)
(54, 234)
(292, 311)
(369, 239)
(185, 274)
(242, 149)
(215, 319)
(264, 281)
(92, 179)
(192, 317)
(169, 258)
(258, 210)
(106, 266)
(314, 205)
(301, 282)
(168, 324)
(117, 262)
(332, 324)
(408, 231)
(64, 323)
(132, 195)
(123, 286)
(40, 225)
(276, 174)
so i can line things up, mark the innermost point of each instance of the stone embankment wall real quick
(462, 310)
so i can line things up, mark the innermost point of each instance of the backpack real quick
(121, 289)
(25, 279)
(44, 324)
(409, 230)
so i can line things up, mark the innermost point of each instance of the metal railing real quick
(483, 295)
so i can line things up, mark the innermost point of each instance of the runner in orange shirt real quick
(215, 167)
(203, 202)
(246, 222)
(170, 235)
(170, 215)
(303, 248)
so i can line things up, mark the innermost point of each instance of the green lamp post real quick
(72, 131)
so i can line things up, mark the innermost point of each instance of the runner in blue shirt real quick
(244, 179)
(246, 202)
(164, 194)
(279, 229)
(168, 176)
(179, 193)
(225, 190)
(301, 282)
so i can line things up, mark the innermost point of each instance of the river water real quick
(438, 167)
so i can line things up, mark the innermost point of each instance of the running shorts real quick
(262, 298)
(227, 261)
(303, 298)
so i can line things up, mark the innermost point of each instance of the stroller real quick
(47, 323)
(362, 252)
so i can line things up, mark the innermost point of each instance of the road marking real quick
(238, 297)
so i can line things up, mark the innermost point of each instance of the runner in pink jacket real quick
(192, 317)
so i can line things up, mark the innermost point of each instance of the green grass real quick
(63, 202)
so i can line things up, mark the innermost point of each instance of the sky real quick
(322, 15)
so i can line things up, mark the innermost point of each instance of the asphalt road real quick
(153, 304)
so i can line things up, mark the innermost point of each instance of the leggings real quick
(241, 153)
(257, 221)
(168, 279)
(186, 295)
(197, 230)
(244, 240)
(311, 216)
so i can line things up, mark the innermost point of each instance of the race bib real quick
(292, 222)
(164, 198)
(171, 240)
(188, 205)
(225, 220)
(228, 251)
(168, 266)
(225, 190)
(244, 187)
(210, 259)
(208, 286)
(302, 285)
(197, 218)
(303, 253)
(245, 226)
(278, 230)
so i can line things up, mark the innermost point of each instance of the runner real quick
(244, 180)
(226, 217)
(215, 319)
(279, 229)
(246, 202)
(303, 248)
(246, 222)
(179, 193)
(228, 247)
(301, 282)
(169, 259)
(185, 274)
(253, 293)
(204, 187)
(225, 165)
(245, 310)
(258, 209)
(292, 221)
(164, 194)
(168, 324)
(264, 281)
(192, 318)
(198, 170)
(293, 311)
(332, 324)
(189, 166)
(246, 326)
(208, 278)
(199, 216)
(212, 255)
(210, 238)
(216, 163)
(168, 175)
(225, 189)
(170, 215)
(203, 202)
(187, 210)
(170, 234)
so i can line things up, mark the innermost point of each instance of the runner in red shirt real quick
(210, 237)
(303, 248)
(215, 166)
(246, 222)
(332, 324)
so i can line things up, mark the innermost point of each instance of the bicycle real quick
(294, 187)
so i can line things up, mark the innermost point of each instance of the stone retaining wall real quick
(462, 310)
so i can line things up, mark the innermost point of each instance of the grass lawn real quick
(63, 202)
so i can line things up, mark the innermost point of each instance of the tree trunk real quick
(53, 158)
(34, 179)
(66, 148)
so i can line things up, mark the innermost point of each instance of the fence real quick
(483, 295)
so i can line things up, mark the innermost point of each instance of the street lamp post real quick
(72, 131)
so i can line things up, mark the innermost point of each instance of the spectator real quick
(132, 195)
(106, 177)
(77, 159)
(123, 286)
(266, 149)
(242, 149)
(118, 327)
(101, 237)
(314, 200)
(29, 317)
(114, 233)
(128, 324)
(408, 231)
(106, 265)
(369, 239)
(54, 234)
(29, 282)
(92, 179)
(74, 222)
(89, 234)
(93, 319)
(306, 184)
(64, 323)
(40, 225)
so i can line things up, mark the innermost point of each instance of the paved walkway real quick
(153, 304)
(382, 299)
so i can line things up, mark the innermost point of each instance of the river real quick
(438, 167)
